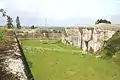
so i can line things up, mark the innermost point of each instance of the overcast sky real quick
(61, 12)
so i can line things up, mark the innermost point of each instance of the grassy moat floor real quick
(52, 60)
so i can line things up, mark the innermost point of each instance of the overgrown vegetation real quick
(111, 46)
(2, 34)
(111, 49)
(52, 60)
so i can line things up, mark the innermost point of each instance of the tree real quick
(3, 12)
(32, 27)
(9, 22)
(102, 21)
(18, 23)
(9, 19)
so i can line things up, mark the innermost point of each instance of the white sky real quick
(62, 12)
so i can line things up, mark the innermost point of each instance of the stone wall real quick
(88, 38)
(38, 34)
(24, 60)
(13, 63)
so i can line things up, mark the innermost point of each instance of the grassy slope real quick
(112, 47)
(53, 60)
(2, 33)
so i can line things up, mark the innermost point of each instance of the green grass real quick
(52, 60)
(2, 33)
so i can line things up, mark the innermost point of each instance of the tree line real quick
(102, 21)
